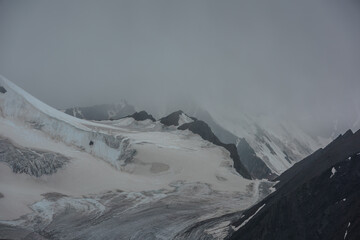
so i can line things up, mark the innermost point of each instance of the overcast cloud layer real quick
(293, 59)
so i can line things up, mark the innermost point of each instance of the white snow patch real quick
(247, 220)
(219, 231)
(346, 232)
(333, 171)
(183, 118)
(273, 188)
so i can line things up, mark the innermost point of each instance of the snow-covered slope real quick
(136, 161)
(17, 105)
(267, 148)
(279, 145)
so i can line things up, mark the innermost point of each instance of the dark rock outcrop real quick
(2, 89)
(141, 116)
(318, 198)
(173, 119)
(224, 135)
(202, 129)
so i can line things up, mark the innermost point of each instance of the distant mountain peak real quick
(141, 116)
(177, 118)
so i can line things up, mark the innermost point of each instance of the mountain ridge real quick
(312, 187)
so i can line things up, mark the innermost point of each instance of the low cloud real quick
(291, 59)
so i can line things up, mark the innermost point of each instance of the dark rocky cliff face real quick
(172, 119)
(202, 129)
(318, 198)
(339, 149)
(2, 89)
(141, 116)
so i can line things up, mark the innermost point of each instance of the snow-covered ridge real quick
(278, 144)
(183, 118)
(177, 118)
(94, 138)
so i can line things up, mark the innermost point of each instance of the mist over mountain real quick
(296, 60)
(192, 119)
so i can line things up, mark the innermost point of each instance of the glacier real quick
(137, 180)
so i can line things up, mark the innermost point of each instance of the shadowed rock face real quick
(224, 135)
(202, 129)
(173, 119)
(318, 198)
(339, 149)
(2, 90)
(141, 116)
(30, 161)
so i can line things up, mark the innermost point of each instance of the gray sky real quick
(294, 59)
